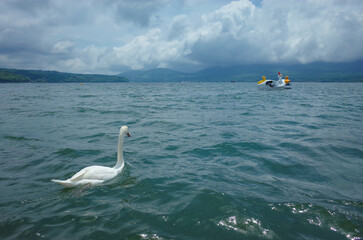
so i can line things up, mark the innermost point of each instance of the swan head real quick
(125, 130)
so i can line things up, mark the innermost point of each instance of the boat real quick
(269, 84)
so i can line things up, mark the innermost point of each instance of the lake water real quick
(204, 161)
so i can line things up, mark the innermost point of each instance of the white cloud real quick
(149, 50)
(63, 47)
(107, 37)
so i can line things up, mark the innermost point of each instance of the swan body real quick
(98, 174)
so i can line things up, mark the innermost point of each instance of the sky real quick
(111, 37)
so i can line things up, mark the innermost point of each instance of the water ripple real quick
(205, 161)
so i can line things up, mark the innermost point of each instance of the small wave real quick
(333, 118)
(346, 151)
(255, 146)
(95, 137)
(87, 96)
(342, 223)
(229, 149)
(247, 226)
(84, 109)
(310, 126)
(171, 148)
(114, 112)
(289, 123)
(150, 236)
(165, 125)
(20, 139)
(73, 153)
(99, 110)
(201, 152)
(306, 105)
(47, 114)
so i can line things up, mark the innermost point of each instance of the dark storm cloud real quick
(139, 12)
(14, 41)
(27, 7)
(233, 51)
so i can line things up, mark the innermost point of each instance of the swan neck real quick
(120, 156)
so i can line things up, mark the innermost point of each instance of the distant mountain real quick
(14, 76)
(319, 72)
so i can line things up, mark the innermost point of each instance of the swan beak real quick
(128, 134)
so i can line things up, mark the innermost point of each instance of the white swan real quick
(99, 174)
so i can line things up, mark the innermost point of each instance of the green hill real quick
(16, 76)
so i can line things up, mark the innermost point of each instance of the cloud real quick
(240, 32)
(139, 12)
(152, 50)
(63, 47)
(114, 36)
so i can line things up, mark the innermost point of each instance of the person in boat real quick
(280, 82)
(270, 83)
(279, 76)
